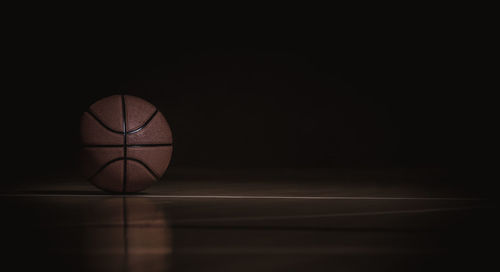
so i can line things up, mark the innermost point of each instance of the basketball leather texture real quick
(126, 144)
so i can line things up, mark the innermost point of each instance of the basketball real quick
(126, 144)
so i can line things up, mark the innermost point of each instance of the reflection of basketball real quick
(126, 234)
(127, 144)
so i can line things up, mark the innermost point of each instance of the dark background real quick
(395, 93)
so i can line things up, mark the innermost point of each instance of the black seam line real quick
(124, 122)
(102, 123)
(143, 125)
(104, 166)
(121, 145)
(147, 168)
(123, 158)
(121, 132)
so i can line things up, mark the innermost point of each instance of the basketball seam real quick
(128, 145)
(155, 175)
(143, 125)
(104, 166)
(124, 120)
(121, 132)
(102, 123)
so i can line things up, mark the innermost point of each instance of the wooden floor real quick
(300, 222)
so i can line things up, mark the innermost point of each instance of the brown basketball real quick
(127, 144)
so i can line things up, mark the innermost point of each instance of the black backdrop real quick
(396, 95)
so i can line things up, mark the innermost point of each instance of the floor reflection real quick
(68, 230)
(126, 234)
(85, 234)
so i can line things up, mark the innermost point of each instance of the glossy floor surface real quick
(273, 224)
